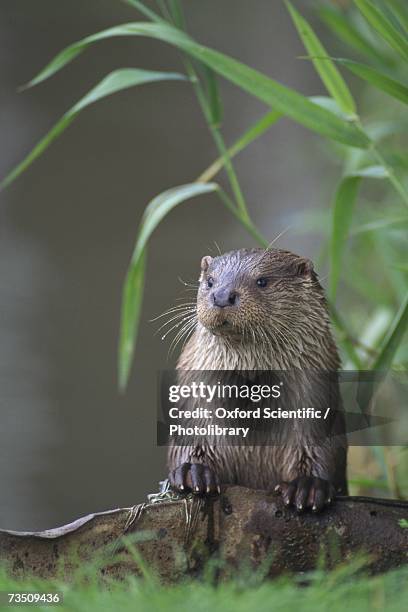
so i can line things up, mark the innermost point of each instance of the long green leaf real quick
(327, 70)
(132, 297)
(374, 172)
(378, 20)
(112, 83)
(214, 98)
(281, 98)
(176, 10)
(380, 224)
(378, 79)
(243, 219)
(123, 79)
(158, 208)
(400, 11)
(344, 29)
(145, 10)
(393, 338)
(378, 130)
(331, 105)
(40, 147)
(256, 130)
(343, 207)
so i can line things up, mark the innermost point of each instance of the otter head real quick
(257, 293)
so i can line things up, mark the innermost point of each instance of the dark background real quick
(69, 443)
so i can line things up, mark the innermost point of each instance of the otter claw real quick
(194, 477)
(306, 492)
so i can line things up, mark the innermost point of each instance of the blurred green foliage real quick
(316, 591)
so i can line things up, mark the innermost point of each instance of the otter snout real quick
(224, 296)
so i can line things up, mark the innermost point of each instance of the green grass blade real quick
(327, 70)
(162, 204)
(393, 338)
(176, 10)
(343, 208)
(379, 22)
(400, 11)
(115, 81)
(154, 213)
(281, 98)
(392, 87)
(243, 219)
(329, 104)
(213, 95)
(144, 10)
(132, 297)
(380, 224)
(40, 147)
(159, 30)
(255, 131)
(344, 29)
(123, 79)
(374, 172)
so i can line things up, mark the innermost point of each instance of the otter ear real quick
(304, 267)
(205, 263)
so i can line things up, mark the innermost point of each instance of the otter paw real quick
(306, 492)
(194, 477)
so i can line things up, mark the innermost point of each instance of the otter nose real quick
(225, 297)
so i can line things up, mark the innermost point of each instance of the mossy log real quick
(176, 537)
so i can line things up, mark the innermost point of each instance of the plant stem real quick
(144, 10)
(177, 14)
(249, 136)
(218, 139)
(232, 177)
(214, 129)
(199, 91)
(398, 186)
(164, 10)
(245, 221)
(394, 180)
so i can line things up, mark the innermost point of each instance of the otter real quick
(263, 310)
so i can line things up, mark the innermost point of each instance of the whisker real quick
(217, 247)
(282, 233)
(173, 309)
(187, 284)
(170, 330)
(210, 249)
(178, 337)
(183, 331)
(176, 325)
(188, 335)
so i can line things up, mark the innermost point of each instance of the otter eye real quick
(262, 282)
(210, 282)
